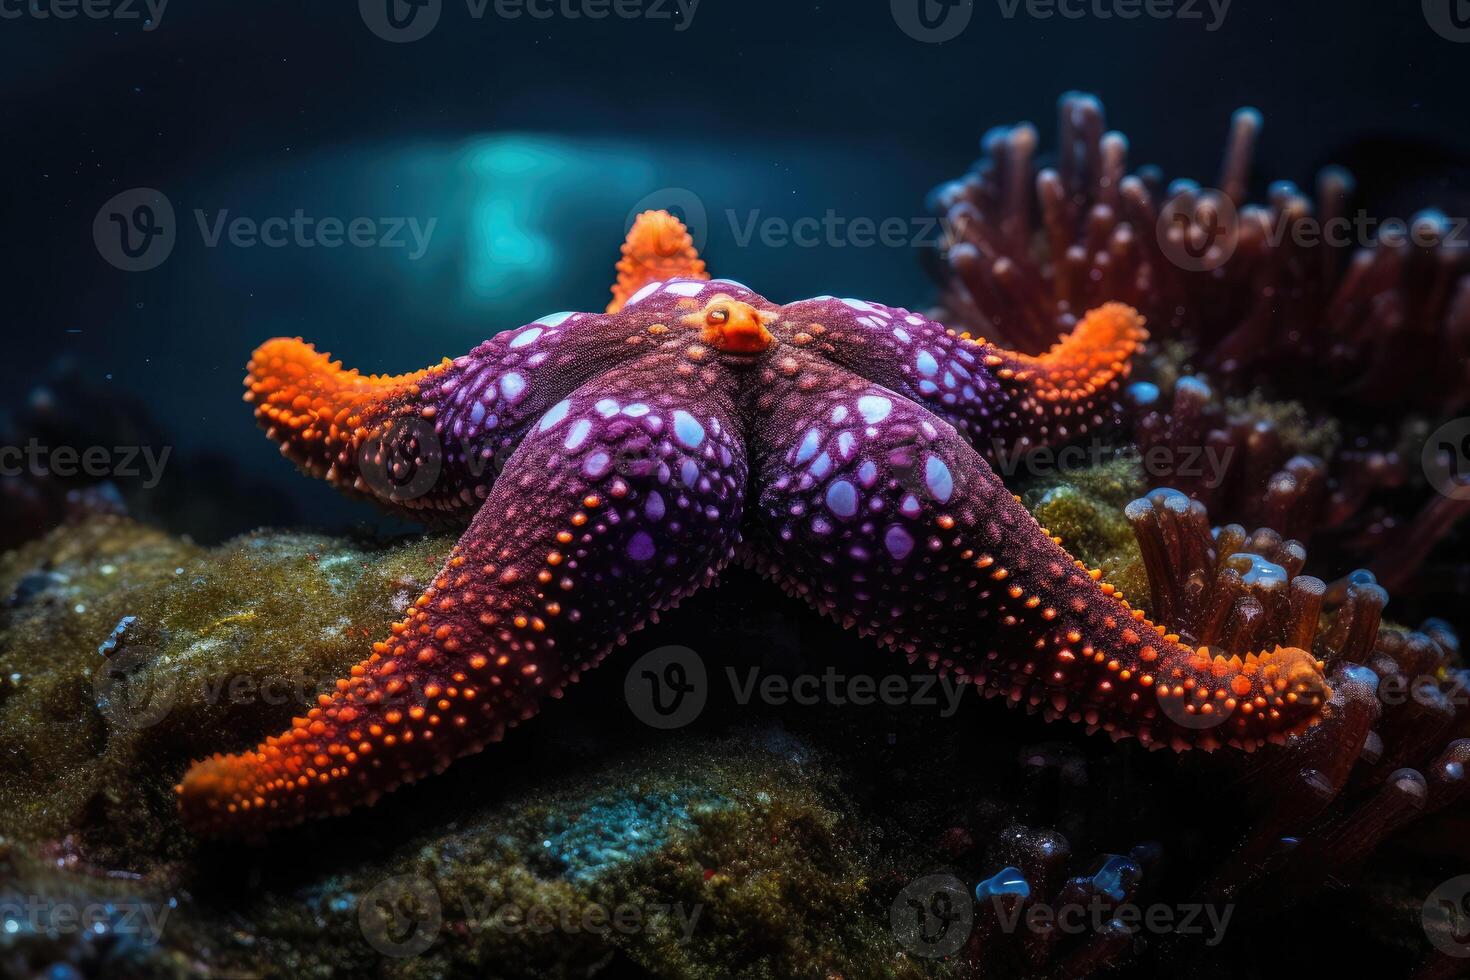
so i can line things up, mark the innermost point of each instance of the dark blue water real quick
(527, 141)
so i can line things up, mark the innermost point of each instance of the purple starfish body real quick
(610, 465)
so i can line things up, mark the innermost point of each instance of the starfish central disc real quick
(734, 327)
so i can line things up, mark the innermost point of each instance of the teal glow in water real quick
(512, 183)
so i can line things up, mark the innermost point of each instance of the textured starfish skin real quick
(610, 465)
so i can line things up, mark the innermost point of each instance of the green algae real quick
(1301, 432)
(767, 877)
(1084, 508)
(205, 645)
(127, 654)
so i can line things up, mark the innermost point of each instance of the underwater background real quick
(529, 141)
(493, 167)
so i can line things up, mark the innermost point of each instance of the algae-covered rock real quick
(127, 653)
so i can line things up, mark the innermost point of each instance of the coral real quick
(792, 831)
(1276, 829)
(1034, 247)
(1248, 297)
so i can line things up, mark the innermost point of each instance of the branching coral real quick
(1390, 754)
(1356, 320)
(1257, 289)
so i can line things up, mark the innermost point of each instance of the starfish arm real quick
(429, 444)
(624, 498)
(658, 248)
(1000, 399)
(878, 513)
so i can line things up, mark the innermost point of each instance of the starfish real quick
(609, 465)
